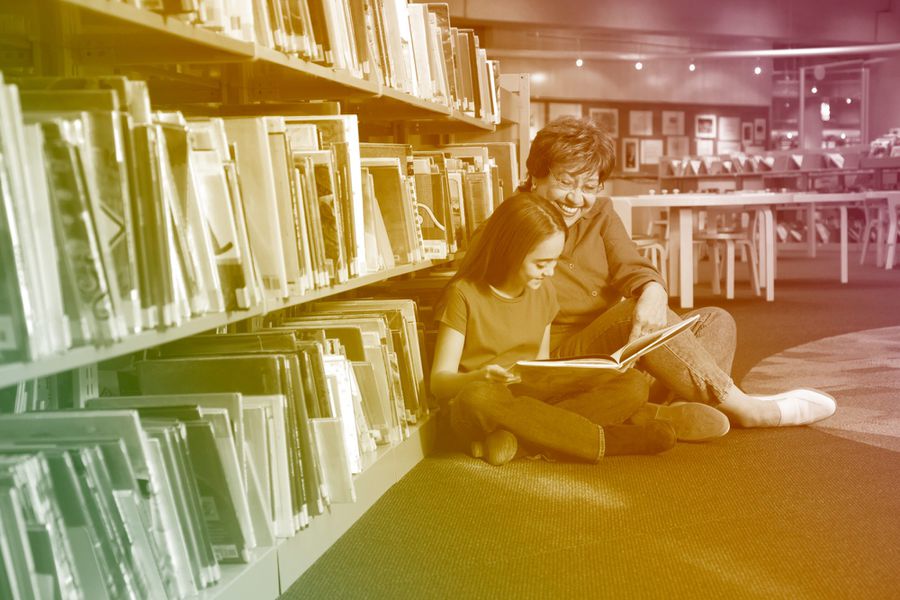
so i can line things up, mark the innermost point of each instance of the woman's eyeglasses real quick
(566, 182)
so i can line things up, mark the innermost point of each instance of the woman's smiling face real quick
(571, 192)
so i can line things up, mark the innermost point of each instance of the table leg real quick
(761, 248)
(686, 255)
(768, 219)
(879, 236)
(892, 233)
(844, 252)
(811, 230)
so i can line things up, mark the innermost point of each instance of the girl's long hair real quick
(501, 243)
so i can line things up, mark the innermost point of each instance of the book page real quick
(630, 352)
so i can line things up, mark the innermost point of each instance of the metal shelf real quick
(12, 373)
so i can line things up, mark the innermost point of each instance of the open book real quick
(562, 374)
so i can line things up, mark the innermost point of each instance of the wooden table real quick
(681, 223)
(843, 201)
(681, 232)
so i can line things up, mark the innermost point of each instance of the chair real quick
(875, 222)
(731, 230)
(893, 215)
(654, 244)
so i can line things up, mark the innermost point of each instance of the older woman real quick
(569, 160)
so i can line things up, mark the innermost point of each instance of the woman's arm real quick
(446, 380)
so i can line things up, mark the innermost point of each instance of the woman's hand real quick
(650, 311)
(496, 374)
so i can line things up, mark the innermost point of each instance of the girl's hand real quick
(497, 374)
(650, 311)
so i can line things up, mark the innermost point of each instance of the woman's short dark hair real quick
(501, 243)
(571, 141)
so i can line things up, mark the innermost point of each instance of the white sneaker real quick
(801, 406)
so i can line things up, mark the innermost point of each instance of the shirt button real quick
(594, 293)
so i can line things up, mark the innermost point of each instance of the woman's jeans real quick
(694, 366)
(569, 425)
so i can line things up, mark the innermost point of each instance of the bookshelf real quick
(86, 355)
(201, 71)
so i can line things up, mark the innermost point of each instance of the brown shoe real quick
(692, 421)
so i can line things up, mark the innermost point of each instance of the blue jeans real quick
(569, 425)
(694, 366)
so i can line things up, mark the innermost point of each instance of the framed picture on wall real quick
(640, 122)
(705, 147)
(651, 150)
(705, 126)
(728, 147)
(607, 118)
(630, 155)
(672, 122)
(563, 109)
(759, 130)
(678, 146)
(747, 132)
(730, 128)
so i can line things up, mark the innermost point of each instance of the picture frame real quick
(678, 146)
(759, 130)
(672, 122)
(705, 126)
(729, 129)
(747, 132)
(705, 146)
(563, 109)
(640, 122)
(630, 157)
(607, 118)
(728, 147)
(651, 150)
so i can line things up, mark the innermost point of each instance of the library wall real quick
(884, 87)
(724, 82)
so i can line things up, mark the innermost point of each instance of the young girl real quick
(497, 310)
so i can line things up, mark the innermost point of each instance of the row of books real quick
(118, 219)
(404, 45)
(223, 444)
(753, 163)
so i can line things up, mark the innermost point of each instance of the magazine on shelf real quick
(578, 371)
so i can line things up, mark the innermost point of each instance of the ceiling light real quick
(578, 62)
(843, 136)
(814, 90)
(757, 70)
(638, 65)
(849, 100)
(692, 67)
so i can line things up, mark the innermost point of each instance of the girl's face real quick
(571, 192)
(539, 263)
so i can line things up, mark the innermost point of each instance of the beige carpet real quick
(861, 370)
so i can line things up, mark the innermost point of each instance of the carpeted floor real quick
(770, 514)
(806, 512)
(861, 369)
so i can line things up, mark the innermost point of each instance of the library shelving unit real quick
(190, 67)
